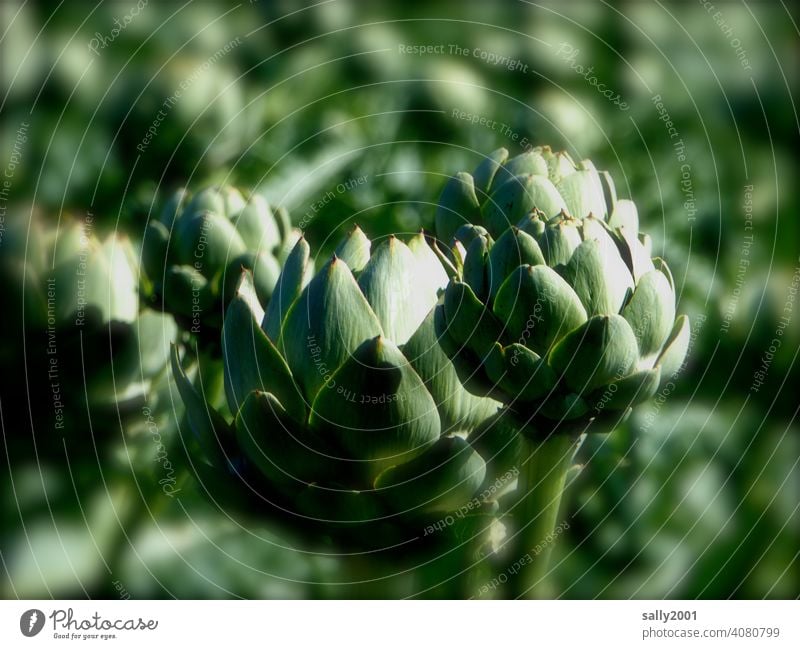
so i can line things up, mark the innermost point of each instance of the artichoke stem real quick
(540, 485)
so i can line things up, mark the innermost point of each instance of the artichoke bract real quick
(559, 310)
(194, 253)
(345, 406)
(74, 327)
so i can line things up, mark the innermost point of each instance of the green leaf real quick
(583, 194)
(533, 223)
(293, 279)
(468, 232)
(601, 350)
(256, 225)
(251, 362)
(377, 408)
(675, 348)
(186, 292)
(651, 312)
(513, 249)
(458, 409)
(609, 192)
(207, 242)
(284, 222)
(466, 363)
(538, 307)
(442, 479)
(325, 325)
(97, 280)
(526, 163)
(396, 289)
(226, 201)
(69, 242)
(450, 265)
(354, 250)
(559, 240)
(640, 262)
(429, 269)
(499, 442)
(516, 197)
(208, 426)
(155, 332)
(173, 207)
(564, 407)
(120, 288)
(485, 172)
(661, 265)
(458, 204)
(599, 277)
(629, 391)
(595, 229)
(154, 251)
(284, 451)
(265, 269)
(520, 372)
(476, 267)
(625, 216)
(469, 323)
(559, 164)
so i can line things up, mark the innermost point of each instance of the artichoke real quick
(194, 253)
(74, 330)
(559, 311)
(346, 410)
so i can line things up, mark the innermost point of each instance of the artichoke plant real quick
(74, 331)
(347, 413)
(193, 254)
(559, 311)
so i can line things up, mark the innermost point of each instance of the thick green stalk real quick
(540, 485)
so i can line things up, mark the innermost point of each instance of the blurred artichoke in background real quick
(347, 412)
(565, 315)
(193, 255)
(72, 301)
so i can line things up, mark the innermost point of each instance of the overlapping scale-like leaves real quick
(344, 401)
(559, 310)
(194, 252)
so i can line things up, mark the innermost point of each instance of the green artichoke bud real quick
(73, 327)
(194, 253)
(559, 312)
(346, 407)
